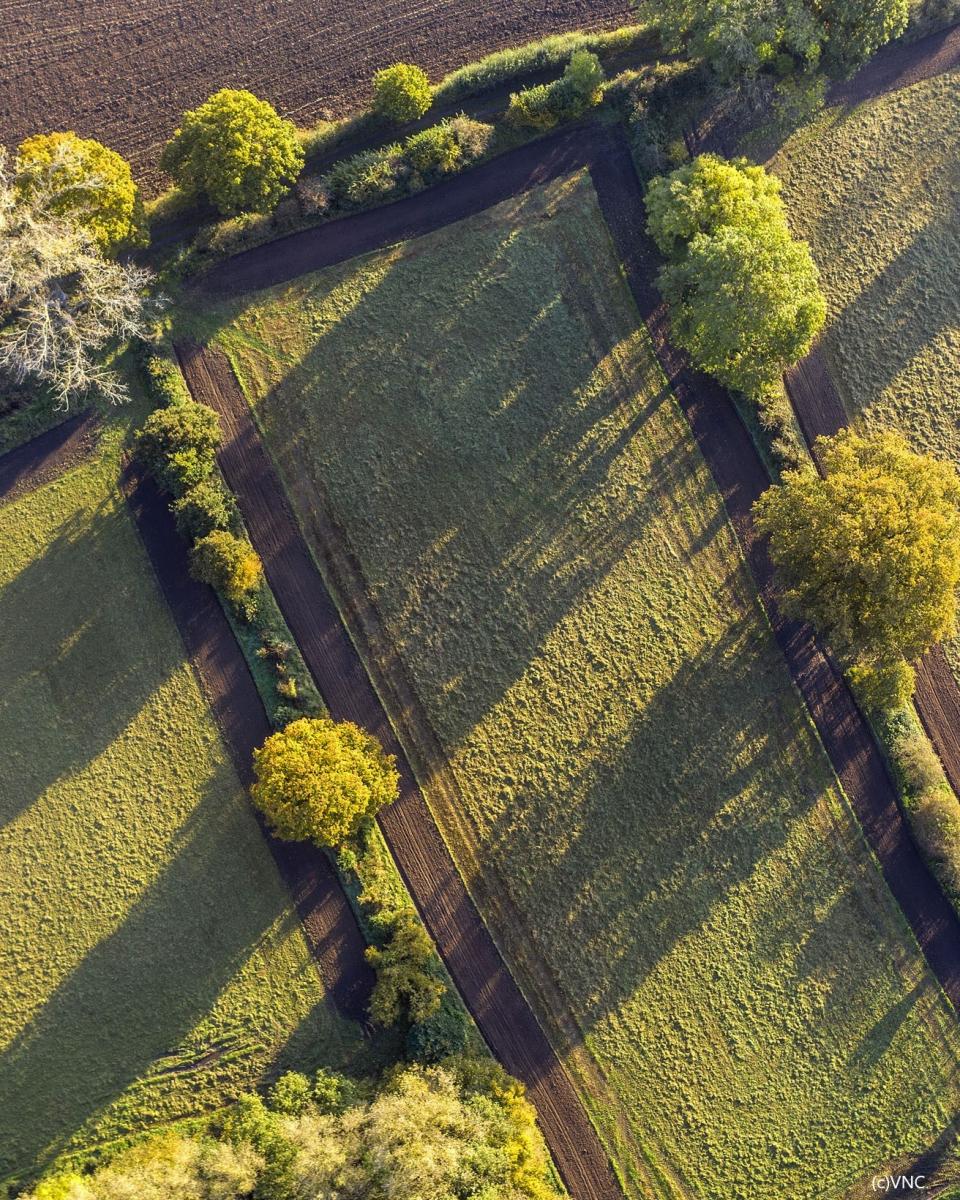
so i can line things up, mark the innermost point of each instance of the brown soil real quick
(900, 64)
(503, 1015)
(45, 457)
(331, 928)
(123, 71)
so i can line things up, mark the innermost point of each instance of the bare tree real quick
(61, 300)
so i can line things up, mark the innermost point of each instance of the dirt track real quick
(331, 929)
(47, 456)
(123, 71)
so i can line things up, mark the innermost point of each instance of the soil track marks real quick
(490, 991)
(123, 71)
(329, 923)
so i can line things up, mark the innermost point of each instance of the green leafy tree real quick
(319, 780)
(204, 507)
(231, 565)
(178, 445)
(407, 987)
(745, 304)
(401, 93)
(236, 150)
(707, 193)
(740, 37)
(89, 183)
(870, 554)
(434, 150)
(291, 1094)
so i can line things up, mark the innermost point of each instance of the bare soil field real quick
(123, 71)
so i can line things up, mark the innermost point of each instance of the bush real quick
(935, 821)
(433, 151)
(178, 445)
(401, 93)
(94, 184)
(333, 1093)
(291, 1094)
(407, 986)
(250, 1123)
(917, 761)
(546, 104)
(165, 381)
(204, 507)
(231, 565)
(473, 137)
(321, 780)
(237, 151)
(365, 178)
(440, 1036)
(882, 686)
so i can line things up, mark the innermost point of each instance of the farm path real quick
(330, 926)
(47, 456)
(503, 1015)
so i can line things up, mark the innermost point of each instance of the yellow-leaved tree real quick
(320, 780)
(870, 554)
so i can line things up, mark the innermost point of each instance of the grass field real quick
(151, 966)
(663, 851)
(877, 193)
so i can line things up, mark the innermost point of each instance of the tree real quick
(320, 781)
(707, 193)
(178, 445)
(88, 183)
(740, 37)
(231, 565)
(61, 301)
(406, 986)
(236, 150)
(401, 93)
(870, 554)
(204, 507)
(745, 304)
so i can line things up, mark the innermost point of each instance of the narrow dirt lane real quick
(331, 929)
(489, 990)
(45, 457)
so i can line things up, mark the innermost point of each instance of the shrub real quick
(291, 1094)
(882, 686)
(935, 821)
(473, 137)
(440, 1036)
(433, 151)
(178, 445)
(365, 178)
(534, 106)
(406, 987)
(917, 761)
(231, 565)
(237, 151)
(546, 104)
(165, 381)
(321, 780)
(204, 507)
(94, 186)
(583, 78)
(333, 1093)
(250, 1123)
(401, 93)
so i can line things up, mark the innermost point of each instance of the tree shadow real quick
(72, 681)
(141, 990)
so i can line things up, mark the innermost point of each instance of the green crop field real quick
(877, 193)
(629, 780)
(151, 966)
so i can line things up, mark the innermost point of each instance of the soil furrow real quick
(48, 455)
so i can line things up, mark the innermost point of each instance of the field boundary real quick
(330, 926)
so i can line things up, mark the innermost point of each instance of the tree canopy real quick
(745, 296)
(319, 780)
(87, 182)
(405, 987)
(739, 37)
(231, 565)
(237, 151)
(870, 554)
(62, 302)
(401, 92)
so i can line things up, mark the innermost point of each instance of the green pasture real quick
(628, 779)
(151, 964)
